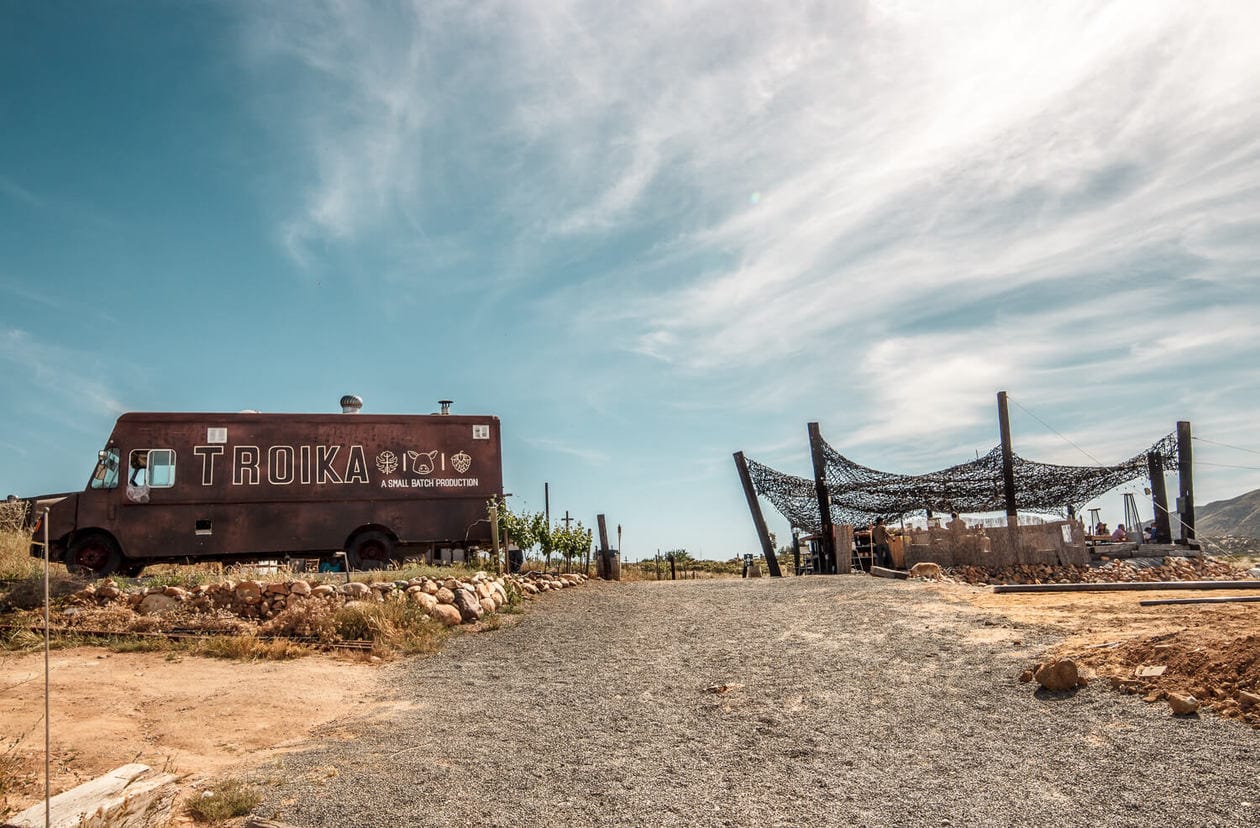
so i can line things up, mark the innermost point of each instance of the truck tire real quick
(95, 554)
(372, 549)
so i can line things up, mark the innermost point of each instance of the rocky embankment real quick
(280, 607)
(1113, 571)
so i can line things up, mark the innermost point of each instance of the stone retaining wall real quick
(451, 600)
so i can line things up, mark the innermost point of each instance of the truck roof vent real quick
(446, 405)
(351, 403)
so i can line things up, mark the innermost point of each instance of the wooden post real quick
(673, 573)
(1159, 498)
(759, 520)
(828, 536)
(1008, 476)
(602, 568)
(1185, 477)
(796, 552)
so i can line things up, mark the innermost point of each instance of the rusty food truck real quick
(182, 488)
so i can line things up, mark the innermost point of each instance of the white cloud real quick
(891, 207)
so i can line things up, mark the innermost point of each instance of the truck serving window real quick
(154, 468)
(106, 474)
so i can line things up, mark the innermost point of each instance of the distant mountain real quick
(1237, 516)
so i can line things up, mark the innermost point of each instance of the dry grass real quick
(16, 562)
(394, 626)
(224, 800)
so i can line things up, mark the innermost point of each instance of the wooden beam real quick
(1223, 599)
(1159, 498)
(759, 520)
(881, 572)
(1128, 586)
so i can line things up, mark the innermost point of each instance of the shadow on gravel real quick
(1042, 694)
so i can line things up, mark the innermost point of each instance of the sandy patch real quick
(193, 715)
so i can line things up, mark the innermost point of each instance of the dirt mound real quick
(1114, 571)
(1216, 668)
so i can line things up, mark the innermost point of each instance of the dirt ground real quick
(1211, 651)
(192, 715)
(208, 717)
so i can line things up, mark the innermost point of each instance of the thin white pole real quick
(47, 705)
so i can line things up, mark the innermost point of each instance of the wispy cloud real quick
(548, 444)
(63, 376)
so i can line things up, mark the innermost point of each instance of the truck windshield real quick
(106, 474)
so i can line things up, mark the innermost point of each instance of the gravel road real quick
(853, 701)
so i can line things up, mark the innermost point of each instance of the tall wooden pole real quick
(1185, 478)
(759, 520)
(1008, 476)
(1159, 498)
(1008, 458)
(824, 499)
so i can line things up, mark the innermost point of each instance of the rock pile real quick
(1108, 571)
(450, 601)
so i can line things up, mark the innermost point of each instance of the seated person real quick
(1119, 536)
(956, 524)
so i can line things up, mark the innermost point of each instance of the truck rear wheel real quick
(95, 554)
(370, 550)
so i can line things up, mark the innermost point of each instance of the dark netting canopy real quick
(860, 494)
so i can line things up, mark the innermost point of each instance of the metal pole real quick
(759, 520)
(1159, 498)
(494, 537)
(1185, 476)
(47, 690)
(824, 499)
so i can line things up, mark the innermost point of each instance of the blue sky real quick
(644, 236)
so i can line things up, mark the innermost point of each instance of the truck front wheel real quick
(370, 550)
(95, 554)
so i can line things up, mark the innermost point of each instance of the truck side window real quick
(106, 474)
(161, 468)
(154, 468)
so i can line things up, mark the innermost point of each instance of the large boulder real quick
(300, 588)
(445, 596)
(156, 603)
(487, 605)
(1058, 675)
(469, 605)
(426, 601)
(356, 590)
(1183, 704)
(249, 592)
(446, 613)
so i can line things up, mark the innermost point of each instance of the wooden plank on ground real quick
(1127, 586)
(882, 572)
(95, 802)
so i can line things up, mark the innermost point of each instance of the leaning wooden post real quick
(1008, 475)
(601, 563)
(1159, 497)
(1185, 478)
(796, 552)
(824, 500)
(759, 520)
